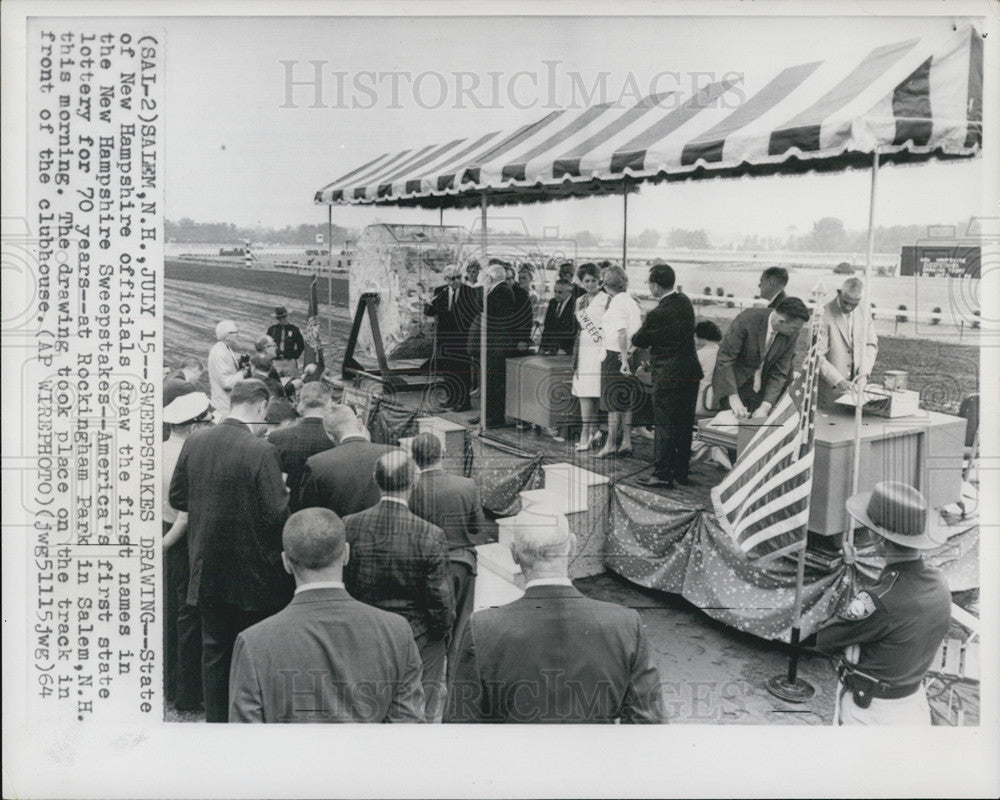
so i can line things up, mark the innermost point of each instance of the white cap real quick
(224, 328)
(187, 408)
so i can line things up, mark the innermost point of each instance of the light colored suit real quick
(843, 348)
(326, 658)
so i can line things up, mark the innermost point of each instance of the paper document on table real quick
(880, 401)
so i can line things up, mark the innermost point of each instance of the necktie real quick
(451, 298)
(758, 374)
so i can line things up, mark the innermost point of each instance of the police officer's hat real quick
(898, 512)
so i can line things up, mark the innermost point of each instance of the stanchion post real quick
(482, 320)
(849, 554)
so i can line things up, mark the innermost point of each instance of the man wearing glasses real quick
(848, 351)
(454, 305)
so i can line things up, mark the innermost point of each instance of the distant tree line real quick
(187, 230)
(828, 235)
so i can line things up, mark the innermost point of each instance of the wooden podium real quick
(925, 450)
(539, 391)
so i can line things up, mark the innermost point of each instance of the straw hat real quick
(898, 512)
(280, 312)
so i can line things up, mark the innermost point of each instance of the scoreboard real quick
(940, 261)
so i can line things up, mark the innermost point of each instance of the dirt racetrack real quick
(198, 296)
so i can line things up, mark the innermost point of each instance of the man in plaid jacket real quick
(399, 563)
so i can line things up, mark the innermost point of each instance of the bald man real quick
(847, 349)
(400, 564)
(342, 478)
(326, 657)
(554, 656)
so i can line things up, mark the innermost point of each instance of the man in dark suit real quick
(454, 306)
(560, 326)
(229, 483)
(523, 312)
(567, 272)
(452, 503)
(773, 281)
(341, 478)
(756, 356)
(303, 439)
(399, 563)
(554, 656)
(325, 657)
(668, 332)
(499, 343)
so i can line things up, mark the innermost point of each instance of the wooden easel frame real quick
(400, 379)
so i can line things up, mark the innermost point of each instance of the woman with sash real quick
(589, 353)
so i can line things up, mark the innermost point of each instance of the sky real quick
(242, 147)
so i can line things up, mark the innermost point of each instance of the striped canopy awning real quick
(911, 100)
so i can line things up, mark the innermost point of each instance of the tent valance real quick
(909, 101)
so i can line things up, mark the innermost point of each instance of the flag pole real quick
(791, 687)
(482, 319)
(850, 554)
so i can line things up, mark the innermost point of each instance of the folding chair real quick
(952, 684)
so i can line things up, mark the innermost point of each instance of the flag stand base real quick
(797, 691)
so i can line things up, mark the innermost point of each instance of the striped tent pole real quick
(248, 256)
(482, 319)
(850, 554)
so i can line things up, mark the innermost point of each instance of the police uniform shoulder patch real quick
(861, 607)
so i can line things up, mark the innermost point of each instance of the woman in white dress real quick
(589, 353)
(621, 394)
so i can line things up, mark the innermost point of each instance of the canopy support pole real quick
(441, 216)
(625, 226)
(482, 318)
(859, 387)
(329, 275)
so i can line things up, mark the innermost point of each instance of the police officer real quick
(895, 627)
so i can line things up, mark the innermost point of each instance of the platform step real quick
(563, 502)
(451, 435)
(537, 515)
(497, 559)
(571, 480)
(493, 590)
(438, 425)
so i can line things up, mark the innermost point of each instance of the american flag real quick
(313, 298)
(763, 503)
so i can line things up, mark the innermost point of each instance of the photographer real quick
(225, 367)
